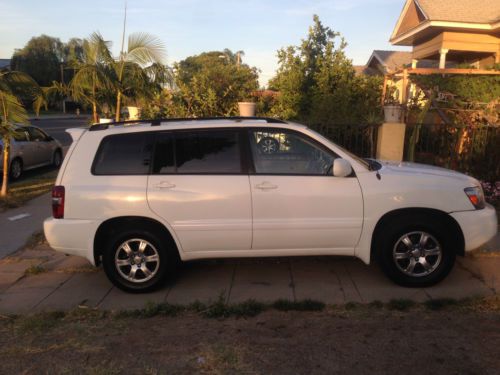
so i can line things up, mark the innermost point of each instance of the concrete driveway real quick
(40, 279)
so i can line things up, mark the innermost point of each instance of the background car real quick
(31, 148)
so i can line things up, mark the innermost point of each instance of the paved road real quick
(56, 127)
(18, 224)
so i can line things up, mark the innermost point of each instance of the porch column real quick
(413, 88)
(442, 58)
(497, 58)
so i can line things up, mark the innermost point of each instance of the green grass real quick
(304, 305)
(441, 303)
(42, 322)
(35, 270)
(400, 304)
(151, 309)
(220, 309)
(38, 323)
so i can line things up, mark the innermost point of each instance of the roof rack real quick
(157, 122)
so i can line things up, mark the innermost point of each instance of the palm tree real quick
(93, 74)
(13, 84)
(143, 49)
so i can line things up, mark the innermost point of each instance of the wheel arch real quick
(112, 226)
(450, 223)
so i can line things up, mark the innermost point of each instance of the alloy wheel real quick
(417, 254)
(137, 260)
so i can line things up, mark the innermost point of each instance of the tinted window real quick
(164, 161)
(199, 152)
(123, 154)
(284, 152)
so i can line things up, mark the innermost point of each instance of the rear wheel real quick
(138, 260)
(16, 169)
(416, 251)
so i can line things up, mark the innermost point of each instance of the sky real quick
(189, 27)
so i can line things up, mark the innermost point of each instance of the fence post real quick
(391, 141)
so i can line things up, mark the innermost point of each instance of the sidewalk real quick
(18, 225)
(67, 282)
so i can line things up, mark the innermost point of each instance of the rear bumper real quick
(75, 237)
(478, 227)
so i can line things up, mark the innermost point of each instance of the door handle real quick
(164, 185)
(266, 186)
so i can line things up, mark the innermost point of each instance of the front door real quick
(200, 187)
(297, 202)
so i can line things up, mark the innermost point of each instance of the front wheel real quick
(416, 253)
(138, 261)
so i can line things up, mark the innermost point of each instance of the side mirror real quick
(49, 139)
(341, 168)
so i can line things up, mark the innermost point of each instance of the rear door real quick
(297, 202)
(199, 185)
(39, 146)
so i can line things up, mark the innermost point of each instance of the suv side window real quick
(123, 154)
(284, 152)
(199, 152)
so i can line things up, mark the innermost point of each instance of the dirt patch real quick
(361, 340)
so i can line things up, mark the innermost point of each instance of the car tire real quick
(139, 261)
(269, 145)
(57, 159)
(416, 251)
(16, 169)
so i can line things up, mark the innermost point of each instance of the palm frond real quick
(11, 110)
(144, 48)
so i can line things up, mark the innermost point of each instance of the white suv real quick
(138, 197)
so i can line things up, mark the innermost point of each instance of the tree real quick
(12, 85)
(92, 80)
(317, 82)
(41, 58)
(211, 84)
(142, 50)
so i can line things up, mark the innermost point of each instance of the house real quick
(383, 62)
(461, 31)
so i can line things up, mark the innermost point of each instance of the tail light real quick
(58, 202)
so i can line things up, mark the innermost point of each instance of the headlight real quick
(476, 196)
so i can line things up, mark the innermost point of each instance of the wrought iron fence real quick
(474, 150)
(359, 139)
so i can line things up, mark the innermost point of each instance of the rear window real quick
(124, 154)
(198, 152)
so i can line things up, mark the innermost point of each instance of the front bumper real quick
(75, 237)
(478, 227)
